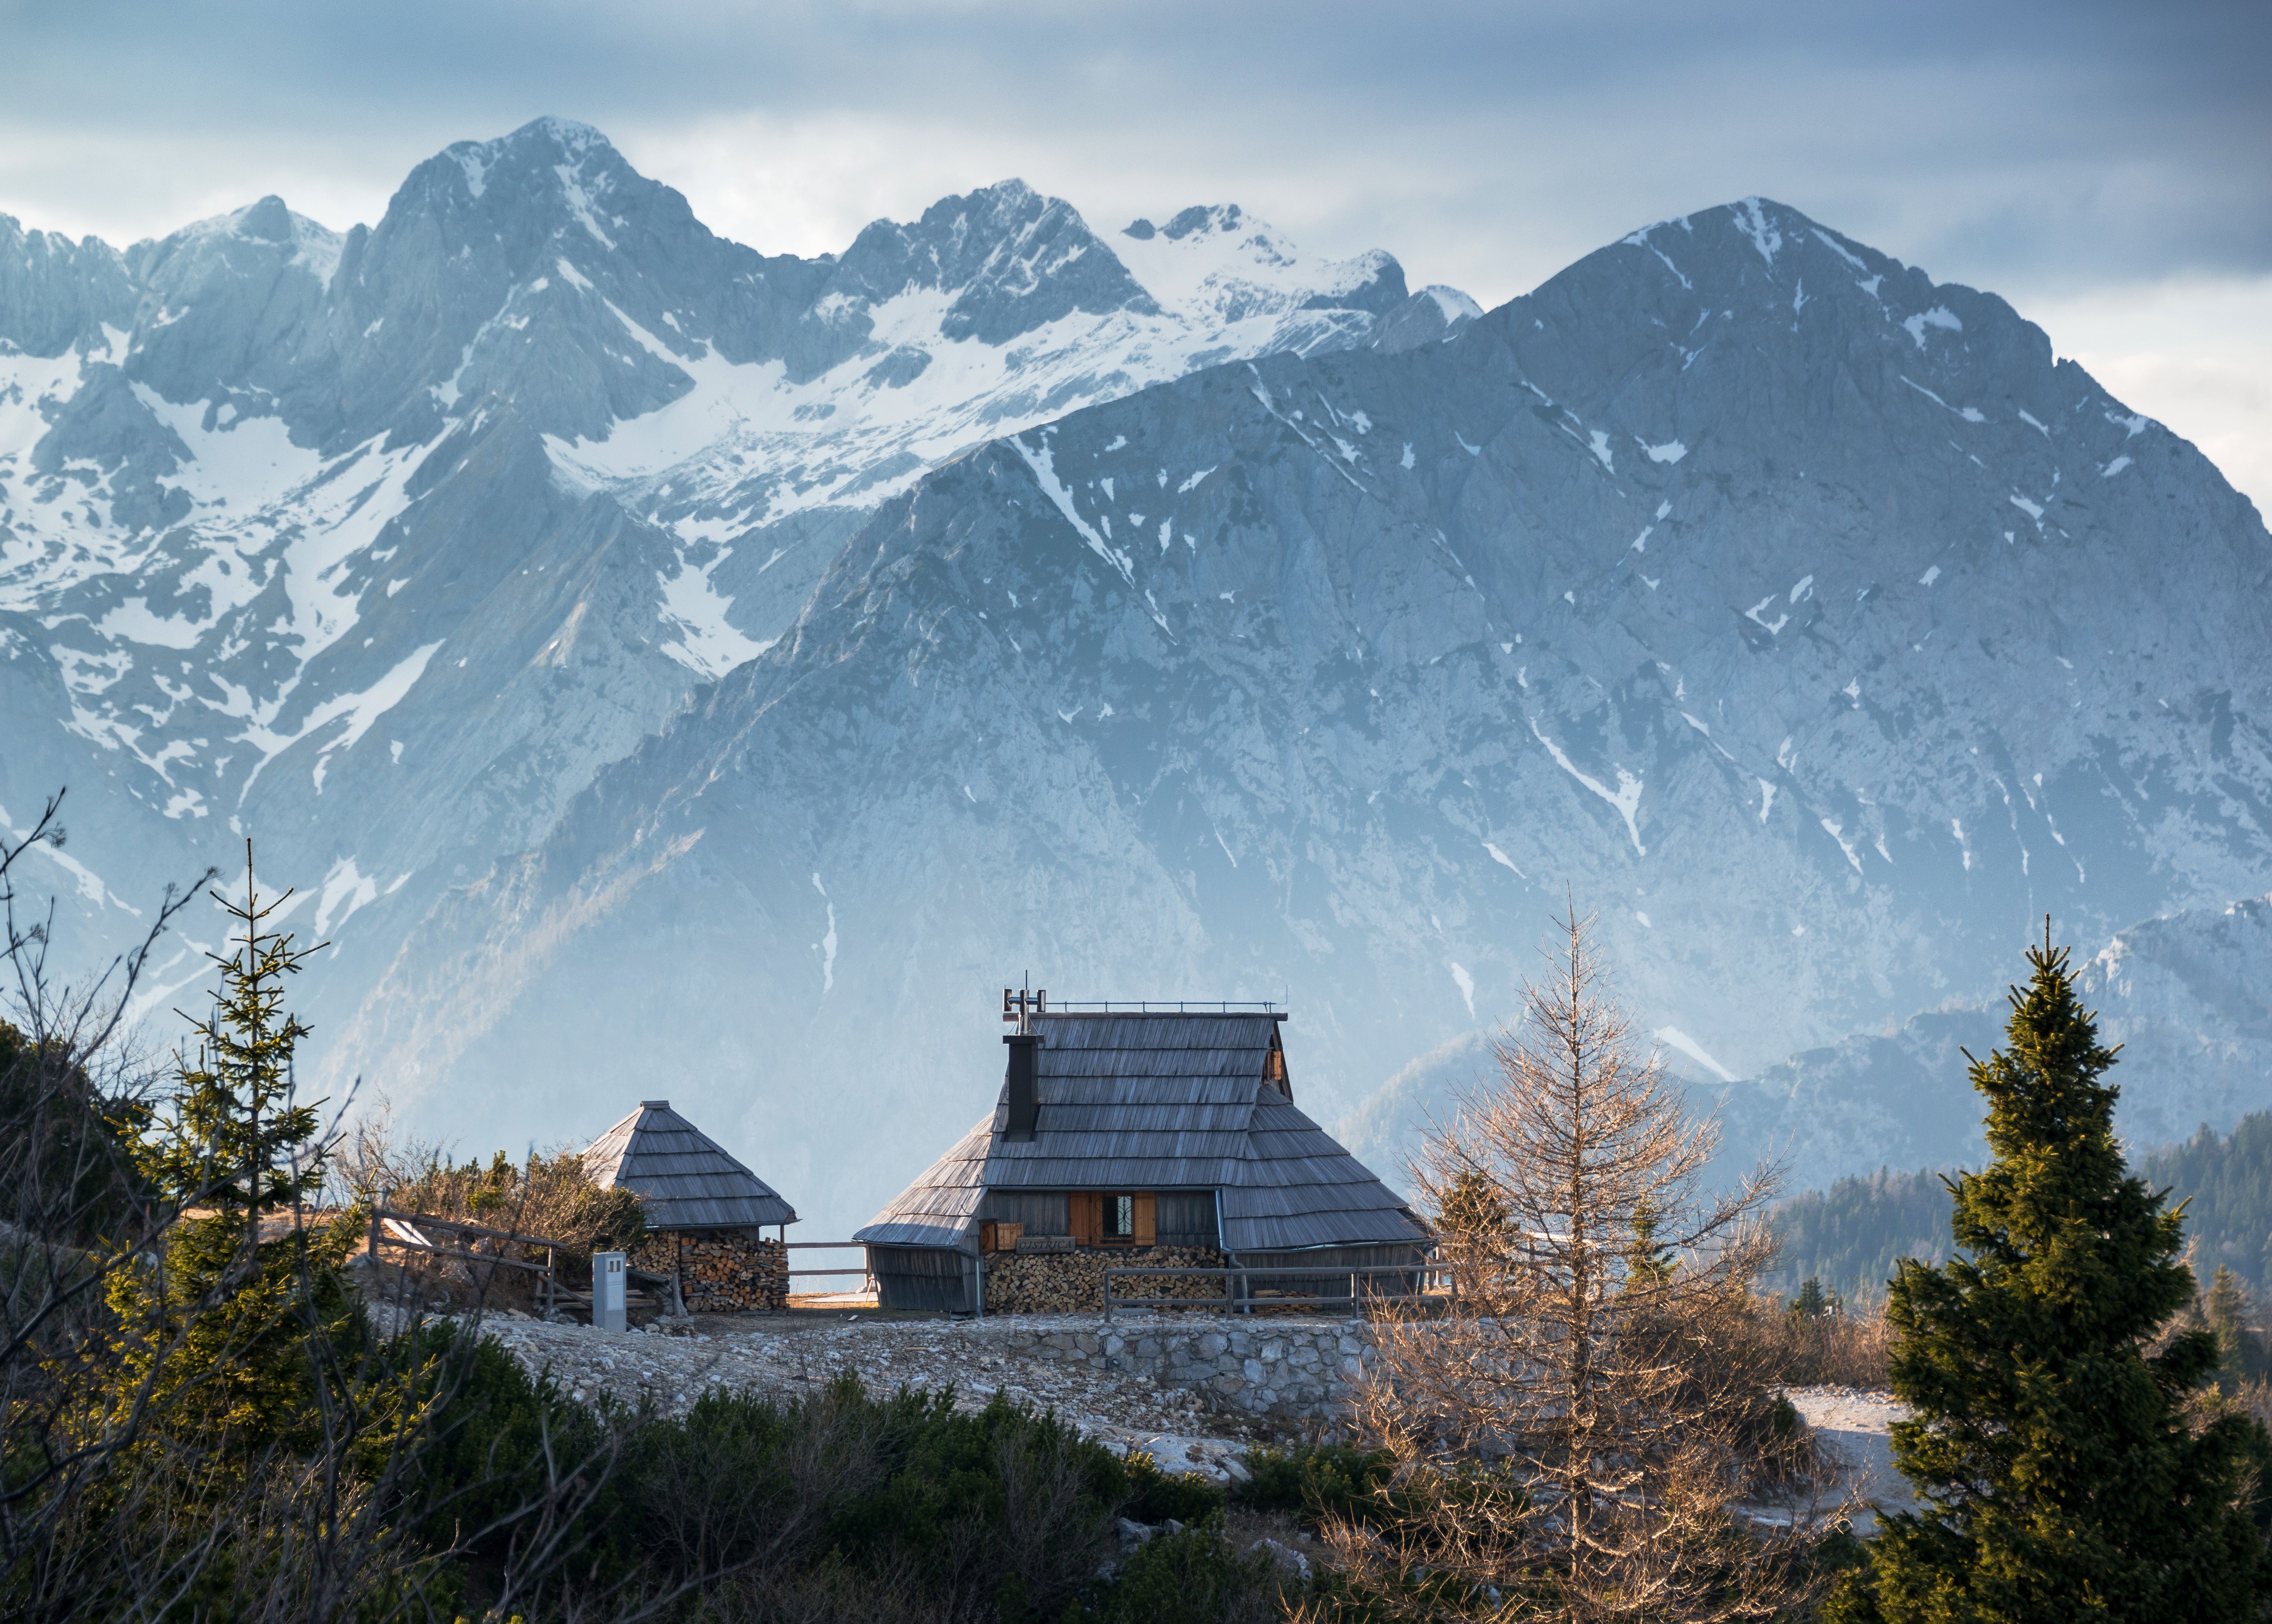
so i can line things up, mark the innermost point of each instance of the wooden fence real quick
(484, 1250)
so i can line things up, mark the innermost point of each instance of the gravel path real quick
(1855, 1425)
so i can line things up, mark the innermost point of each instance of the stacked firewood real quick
(1073, 1281)
(719, 1270)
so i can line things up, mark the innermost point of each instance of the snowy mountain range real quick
(257, 478)
(669, 668)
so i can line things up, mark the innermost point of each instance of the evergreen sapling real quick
(216, 1337)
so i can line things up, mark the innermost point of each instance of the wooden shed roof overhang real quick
(684, 1178)
(1160, 1101)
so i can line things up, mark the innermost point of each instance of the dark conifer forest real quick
(1851, 1236)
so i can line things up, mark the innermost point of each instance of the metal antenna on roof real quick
(1020, 1005)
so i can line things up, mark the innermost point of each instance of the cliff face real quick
(1802, 617)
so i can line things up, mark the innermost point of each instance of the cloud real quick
(2193, 354)
(2052, 153)
(1487, 143)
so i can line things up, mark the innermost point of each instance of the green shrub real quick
(500, 1440)
(856, 1505)
(1156, 1496)
(1194, 1577)
(1316, 1481)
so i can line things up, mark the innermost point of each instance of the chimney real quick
(1024, 1107)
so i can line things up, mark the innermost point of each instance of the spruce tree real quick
(2048, 1437)
(2225, 1313)
(215, 1339)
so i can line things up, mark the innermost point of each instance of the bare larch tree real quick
(1582, 1429)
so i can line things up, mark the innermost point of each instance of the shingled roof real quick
(684, 1179)
(1160, 1101)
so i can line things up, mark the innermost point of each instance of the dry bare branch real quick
(1588, 1429)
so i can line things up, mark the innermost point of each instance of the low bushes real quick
(1318, 1481)
(1158, 1496)
(547, 1195)
(848, 1504)
(1834, 1349)
(1196, 1576)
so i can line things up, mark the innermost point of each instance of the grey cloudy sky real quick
(2105, 166)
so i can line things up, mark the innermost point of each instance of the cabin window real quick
(1113, 1218)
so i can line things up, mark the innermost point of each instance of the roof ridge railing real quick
(1164, 1007)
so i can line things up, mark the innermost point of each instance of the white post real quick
(607, 1284)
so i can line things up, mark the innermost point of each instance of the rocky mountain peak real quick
(54, 293)
(1219, 263)
(1013, 258)
(1757, 260)
(538, 269)
(1433, 314)
(263, 236)
(268, 220)
(1199, 217)
(573, 155)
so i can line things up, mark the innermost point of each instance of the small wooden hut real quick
(1127, 1130)
(706, 1212)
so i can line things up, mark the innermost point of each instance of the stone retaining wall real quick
(1283, 1370)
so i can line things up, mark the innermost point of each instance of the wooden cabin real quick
(705, 1213)
(1123, 1131)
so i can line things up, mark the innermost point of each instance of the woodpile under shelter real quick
(705, 1213)
(1119, 1129)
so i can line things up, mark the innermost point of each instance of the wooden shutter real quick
(1083, 1209)
(1146, 1227)
(1274, 1067)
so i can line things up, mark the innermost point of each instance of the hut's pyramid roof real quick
(684, 1179)
(1160, 1101)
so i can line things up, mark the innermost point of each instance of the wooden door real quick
(1085, 1209)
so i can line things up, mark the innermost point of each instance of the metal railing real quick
(1162, 1007)
(1355, 1301)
